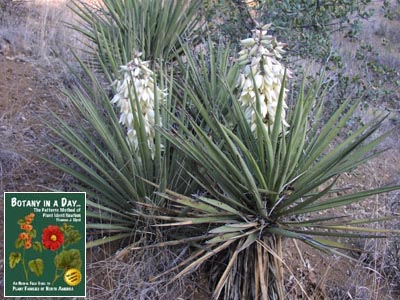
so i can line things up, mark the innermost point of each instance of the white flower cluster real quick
(262, 74)
(138, 80)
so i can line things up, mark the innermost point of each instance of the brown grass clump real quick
(130, 276)
(36, 32)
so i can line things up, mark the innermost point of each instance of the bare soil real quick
(26, 96)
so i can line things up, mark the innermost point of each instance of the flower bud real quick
(248, 42)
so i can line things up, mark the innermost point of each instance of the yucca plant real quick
(110, 163)
(199, 76)
(116, 27)
(262, 181)
(111, 147)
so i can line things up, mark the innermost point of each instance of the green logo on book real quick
(44, 244)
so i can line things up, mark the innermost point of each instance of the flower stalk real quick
(135, 97)
(262, 78)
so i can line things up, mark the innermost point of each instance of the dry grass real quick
(39, 36)
(130, 277)
(376, 272)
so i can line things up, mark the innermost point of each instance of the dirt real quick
(26, 99)
(26, 96)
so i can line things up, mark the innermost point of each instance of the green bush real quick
(304, 25)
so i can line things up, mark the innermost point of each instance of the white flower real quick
(262, 75)
(137, 80)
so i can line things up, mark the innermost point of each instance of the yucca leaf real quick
(312, 221)
(248, 176)
(358, 229)
(109, 227)
(189, 202)
(179, 221)
(253, 165)
(251, 238)
(345, 200)
(368, 221)
(306, 202)
(220, 205)
(233, 227)
(104, 217)
(86, 179)
(284, 233)
(328, 132)
(106, 240)
(337, 245)
(152, 27)
(194, 265)
(224, 237)
(338, 234)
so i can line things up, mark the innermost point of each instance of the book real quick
(44, 244)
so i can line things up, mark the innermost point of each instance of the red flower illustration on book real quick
(52, 237)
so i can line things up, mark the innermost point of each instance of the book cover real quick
(44, 244)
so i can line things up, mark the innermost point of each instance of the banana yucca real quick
(117, 145)
(259, 186)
